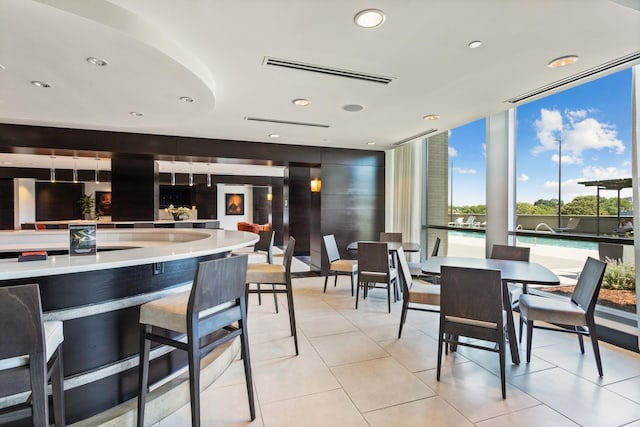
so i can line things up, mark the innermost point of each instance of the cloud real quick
(577, 131)
(567, 159)
(597, 172)
(465, 171)
(571, 187)
(453, 152)
(523, 177)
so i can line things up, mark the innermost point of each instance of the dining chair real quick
(373, 267)
(215, 307)
(338, 266)
(262, 252)
(574, 315)
(279, 276)
(30, 356)
(471, 306)
(425, 294)
(416, 268)
(513, 253)
(390, 237)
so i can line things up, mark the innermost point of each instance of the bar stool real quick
(276, 275)
(30, 355)
(262, 252)
(214, 304)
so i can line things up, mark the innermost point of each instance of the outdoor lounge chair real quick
(571, 226)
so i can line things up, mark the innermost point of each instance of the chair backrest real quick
(471, 293)
(573, 223)
(331, 248)
(513, 253)
(23, 335)
(390, 237)
(585, 294)
(265, 244)
(405, 272)
(216, 282)
(436, 247)
(373, 257)
(288, 254)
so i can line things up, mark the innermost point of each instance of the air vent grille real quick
(411, 138)
(285, 122)
(326, 70)
(625, 60)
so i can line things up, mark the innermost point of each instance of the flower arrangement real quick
(179, 213)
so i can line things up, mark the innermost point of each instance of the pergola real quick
(607, 184)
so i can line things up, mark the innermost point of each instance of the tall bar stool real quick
(214, 304)
(276, 275)
(30, 355)
(262, 252)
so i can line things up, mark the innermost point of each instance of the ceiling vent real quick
(285, 122)
(607, 66)
(326, 70)
(411, 138)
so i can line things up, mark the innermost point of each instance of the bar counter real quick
(98, 298)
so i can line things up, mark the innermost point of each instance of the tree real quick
(587, 205)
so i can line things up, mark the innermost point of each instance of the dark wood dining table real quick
(510, 271)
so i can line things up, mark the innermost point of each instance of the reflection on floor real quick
(353, 371)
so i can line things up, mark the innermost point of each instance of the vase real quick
(176, 217)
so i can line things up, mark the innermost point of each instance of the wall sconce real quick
(269, 196)
(316, 185)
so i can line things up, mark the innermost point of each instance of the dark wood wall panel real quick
(6, 204)
(261, 206)
(206, 200)
(300, 208)
(58, 201)
(134, 188)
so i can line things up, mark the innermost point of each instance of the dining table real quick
(522, 272)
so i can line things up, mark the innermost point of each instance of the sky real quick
(593, 123)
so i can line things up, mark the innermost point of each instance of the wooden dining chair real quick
(214, 308)
(337, 266)
(30, 356)
(261, 253)
(471, 306)
(513, 253)
(390, 237)
(373, 268)
(416, 268)
(575, 315)
(424, 294)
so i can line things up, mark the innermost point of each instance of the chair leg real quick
(353, 277)
(403, 315)
(594, 342)
(292, 314)
(275, 298)
(357, 293)
(246, 358)
(501, 351)
(143, 372)
(529, 339)
(335, 280)
(580, 340)
(194, 378)
(440, 340)
(389, 296)
(325, 282)
(57, 387)
(259, 294)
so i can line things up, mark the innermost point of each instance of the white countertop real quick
(150, 245)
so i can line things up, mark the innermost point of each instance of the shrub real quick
(619, 276)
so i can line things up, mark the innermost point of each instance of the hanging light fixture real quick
(208, 174)
(190, 175)
(173, 173)
(75, 169)
(96, 175)
(52, 172)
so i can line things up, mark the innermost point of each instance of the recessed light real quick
(369, 18)
(300, 102)
(562, 61)
(97, 61)
(371, 143)
(352, 108)
(135, 114)
(274, 135)
(38, 83)
(474, 44)
(431, 117)
(186, 99)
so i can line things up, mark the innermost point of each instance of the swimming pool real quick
(531, 240)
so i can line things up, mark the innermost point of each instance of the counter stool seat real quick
(215, 309)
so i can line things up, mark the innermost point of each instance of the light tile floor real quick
(353, 371)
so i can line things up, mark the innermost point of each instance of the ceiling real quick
(215, 53)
